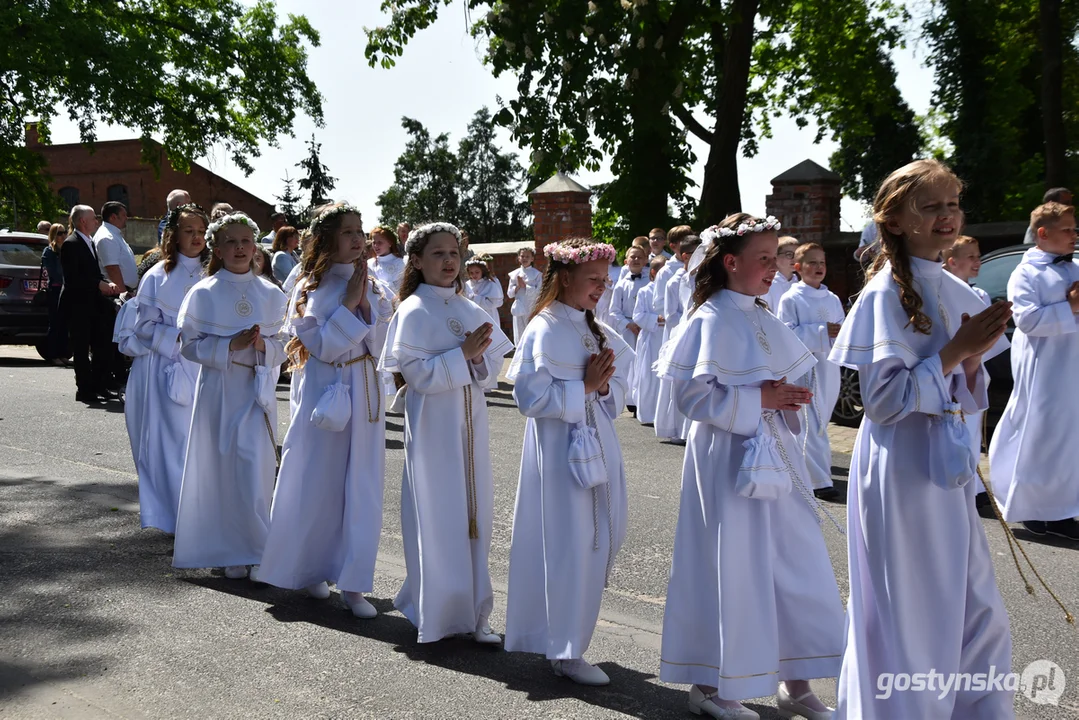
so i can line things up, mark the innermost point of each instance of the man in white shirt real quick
(279, 221)
(113, 253)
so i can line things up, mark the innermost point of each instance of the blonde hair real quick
(1049, 214)
(787, 240)
(896, 194)
(639, 242)
(552, 277)
(677, 233)
(960, 241)
(803, 250)
(57, 234)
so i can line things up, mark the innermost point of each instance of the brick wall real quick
(560, 215)
(809, 212)
(504, 262)
(120, 162)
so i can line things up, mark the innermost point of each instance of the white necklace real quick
(588, 340)
(243, 307)
(762, 338)
(941, 312)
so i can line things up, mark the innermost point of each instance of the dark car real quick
(997, 268)
(24, 309)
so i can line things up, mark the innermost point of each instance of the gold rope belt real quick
(266, 417)
(371, 417)
(470, 467)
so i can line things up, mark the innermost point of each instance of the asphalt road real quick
(94, 621)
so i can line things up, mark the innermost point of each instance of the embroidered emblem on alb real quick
(762, 339)
(456, 327)
(243, 308)
(590, 343)
(822, 314)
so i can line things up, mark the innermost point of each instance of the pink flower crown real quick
(575, 255)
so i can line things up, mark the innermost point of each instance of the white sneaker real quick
(235, 572)
(702, 704)
(253, 576)
(359, 605)
(580, 671)
(486, 636)
(319, 591)
(791, 707)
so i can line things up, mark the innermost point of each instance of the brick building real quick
(115, 171)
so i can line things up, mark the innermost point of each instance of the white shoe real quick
(253, 576)
(580, 672)
(235, 572)
(359, 605)
(790, 707)
(319, 591)
(486, 636)
(701, 704)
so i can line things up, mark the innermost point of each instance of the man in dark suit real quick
(86, 301)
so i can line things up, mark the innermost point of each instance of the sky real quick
(441, 81)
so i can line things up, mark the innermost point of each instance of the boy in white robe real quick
(657, 243)
(447, 350)
(964, 260)
(170, 378)
(785, 276)
(483, 289)
(569, 377)
(230, 324)
(815, 313)
(645, 381)
(670, 423)
(1031, 459)
(922, 587)
(326, 516)
(623, 301)
(523, 288)
(752, 600)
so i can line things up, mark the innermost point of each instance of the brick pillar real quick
(806, 200)
(561, 208)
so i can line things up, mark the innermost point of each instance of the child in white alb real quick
(1030, 460)
(523, 288)
(644, 381)
(785, 276)
(482, 289)
(815, 313)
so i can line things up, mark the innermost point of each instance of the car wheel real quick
(848, 409)
(42, 350)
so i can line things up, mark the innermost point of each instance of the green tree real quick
(317, 182)
(425, 181)
(628, 80)
(290, 203)
(1006, 77)
(492, 198)
(195, 74)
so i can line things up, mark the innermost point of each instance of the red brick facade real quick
(806, 200)
(561, 208)
(118, 164)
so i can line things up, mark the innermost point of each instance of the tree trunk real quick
(1052, 94)
(719, 193)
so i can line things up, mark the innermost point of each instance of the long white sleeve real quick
(732, 408)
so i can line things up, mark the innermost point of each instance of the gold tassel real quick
(473, 529)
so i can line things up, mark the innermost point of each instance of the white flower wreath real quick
(412, 245)
(236, 218)
(715, 232)
(334, 211)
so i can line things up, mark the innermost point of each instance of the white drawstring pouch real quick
(398, 404)
(952, 463)
(266, 386)
(763, 474)
(334, 409)
(179, 385)
(586, 464)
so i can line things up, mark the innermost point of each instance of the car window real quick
(19, 252)
(993, 277)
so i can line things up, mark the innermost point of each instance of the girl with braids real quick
(388, 263)
(168, 388)
(752, 601)
(230, 325)
(922, 591)
(447, 351)
(327, 508)
(569, 374)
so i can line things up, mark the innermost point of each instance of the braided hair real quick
(895, 194)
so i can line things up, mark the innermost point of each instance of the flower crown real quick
(173, 220)
(333, 212)
(563, 253)
(412, 245)
(236, 218)
(715, 232)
